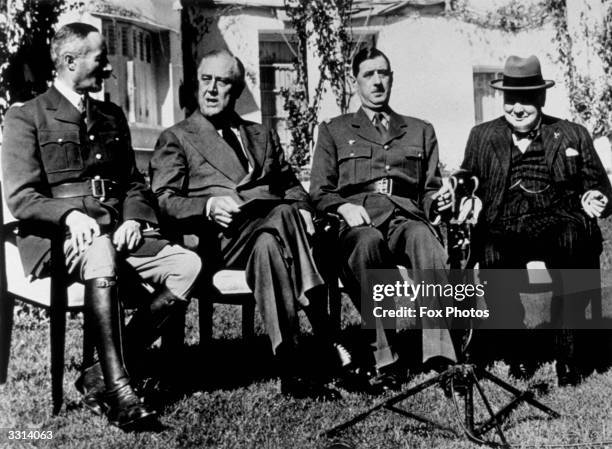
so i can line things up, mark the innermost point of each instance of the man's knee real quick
(266, 243)
(184, 268)
(98, 260)
(418, 232)
(363, 240)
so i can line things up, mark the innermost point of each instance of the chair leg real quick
(248, 320)
(7, 304)
(205, 312)
(58, 335)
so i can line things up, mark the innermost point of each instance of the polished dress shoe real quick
(373, 381)
(301, 388)
(126, 411)
(568, 374)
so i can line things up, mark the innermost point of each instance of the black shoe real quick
(301, 388)
(372, 381)
(568, 374)
(523, 370)
(91, 385)
(126, 411)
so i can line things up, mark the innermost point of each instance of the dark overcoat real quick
(192, 163)
(46, 143)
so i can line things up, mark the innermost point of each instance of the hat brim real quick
(499, 85)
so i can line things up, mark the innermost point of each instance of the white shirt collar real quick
(72, 96)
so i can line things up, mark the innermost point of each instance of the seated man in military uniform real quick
(69, 170)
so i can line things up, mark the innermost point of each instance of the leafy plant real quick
(26, 28)
(323, 24)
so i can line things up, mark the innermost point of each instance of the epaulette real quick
(17, 104)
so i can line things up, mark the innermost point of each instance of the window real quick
(487, 101)
(108, 31)
(276, 72)
(125, 40)
(132, 54)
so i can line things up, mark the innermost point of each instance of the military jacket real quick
(46, 144)
(350, 153)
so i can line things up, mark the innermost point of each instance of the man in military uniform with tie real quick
(542, 188)
(223, 183)
(69, 172)
(379, 171)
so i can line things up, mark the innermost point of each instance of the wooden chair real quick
(53, 294)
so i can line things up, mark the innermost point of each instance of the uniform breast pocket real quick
(355, 164)
(60, 151)
(413, 162)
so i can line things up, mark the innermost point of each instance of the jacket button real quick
(92, 137)
(387, 167)
(98, 156)
(385, 147)
(352, 154)
(60, 140)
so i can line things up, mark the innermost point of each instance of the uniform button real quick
(385, 147)
(60, 140)
(92, 137)
(352, 154)
(387, 167)
(98, 156)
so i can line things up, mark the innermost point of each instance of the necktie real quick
(83, 107)
(377, 121)
(232, 141)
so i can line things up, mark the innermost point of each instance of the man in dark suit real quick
(542, 188)
(69, 173)
(379, 171)
(224, 184)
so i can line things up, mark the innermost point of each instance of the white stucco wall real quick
(238, 31)
(432, 60)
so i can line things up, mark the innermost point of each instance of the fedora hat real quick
(522, 74)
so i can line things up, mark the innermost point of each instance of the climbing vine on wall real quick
(514, 16)
(590, 95)
(323, 24)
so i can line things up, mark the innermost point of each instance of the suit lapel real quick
(501, 141)
(254, 144)
(205, 139)
(64, 110)
(397, 127)
(551, 140)
(364, 128)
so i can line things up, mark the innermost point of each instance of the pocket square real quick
(570, 152)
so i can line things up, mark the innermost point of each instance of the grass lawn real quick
(230, 399)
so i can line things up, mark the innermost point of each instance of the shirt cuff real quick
(207, 209)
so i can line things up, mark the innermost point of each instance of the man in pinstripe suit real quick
(542, 187)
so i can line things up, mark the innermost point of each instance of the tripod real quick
(464, 378)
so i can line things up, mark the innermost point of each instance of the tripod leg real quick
(515, 391)
(487, 404)
(469, 408)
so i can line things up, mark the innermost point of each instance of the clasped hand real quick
(222, 210)
(83, 229)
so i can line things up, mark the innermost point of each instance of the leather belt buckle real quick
(98, 188)
(384, 186)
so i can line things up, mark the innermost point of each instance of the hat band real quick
(525, 81)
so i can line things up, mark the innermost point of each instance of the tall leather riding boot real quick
(147, 325)
(102, 308)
